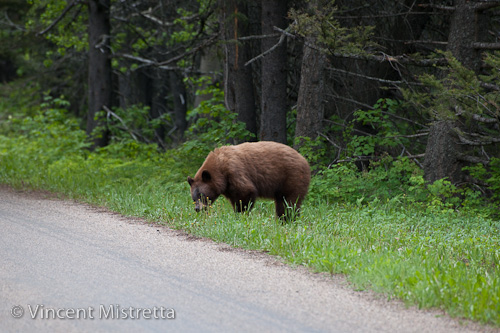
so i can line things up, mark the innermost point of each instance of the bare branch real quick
(64, 12)
(409, 136)
(412, 41)
(343, 125)
(146, 62)
(476, 116)
(8, 22)
(366, 106)
(148, 14)
(484, 119)
(416, 156)
(482, 140)
(477, 6)
(255, 37)
(329, 140)
(402, 59)
(448, 9)
(288, 34)
(485, 5)
(164, 64)
(370, 77)
(490, 86)
(125, 127)
(486, 46)
(208, 42)
(340, 17)
(280, 41)
(138, 59)
(406, 119)
(473, 159)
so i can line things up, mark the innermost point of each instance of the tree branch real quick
(350, 100)
(280, 41)
(136, 58)
(449, 9)
(9, 23)
(485, 5)
(125, 127)
(370, 77)
(356, 17)
(484, 119)
(490, 86)
(208, 42)
(402, 59)
(412, 41)
(255, 37)
(473, 159)
(486, 46)
(64, 12)
(148, 14)
(482, 141)
(476, 116)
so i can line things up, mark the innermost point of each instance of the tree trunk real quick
(210, 64)
(159, 103)
(238, 85)
(274, 75)
(100, 88)
(7, 70)
(442, 154)
(180, 106)
(310, 108)
(463, 31)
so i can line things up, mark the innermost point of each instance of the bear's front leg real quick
(243, 203)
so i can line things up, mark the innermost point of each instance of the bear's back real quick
(267, 165)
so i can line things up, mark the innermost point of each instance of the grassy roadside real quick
(440, 259)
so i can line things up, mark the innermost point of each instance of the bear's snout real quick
(198, 206)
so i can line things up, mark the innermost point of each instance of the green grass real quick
(445, 260)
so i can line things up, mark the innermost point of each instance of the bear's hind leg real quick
(288, 208)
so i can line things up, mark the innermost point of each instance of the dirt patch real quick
(31, 193)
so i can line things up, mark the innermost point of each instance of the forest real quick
(348, 81)
(395, 104)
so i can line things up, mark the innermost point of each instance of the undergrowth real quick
(428, 245)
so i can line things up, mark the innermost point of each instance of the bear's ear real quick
(206, 176)
(190, 181)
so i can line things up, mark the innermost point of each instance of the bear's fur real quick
(248, 171)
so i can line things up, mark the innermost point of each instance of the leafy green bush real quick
(315, 151)
(17, 99)
(386, 179)
(133, 124)
(212, 124)
(490, 177)
(387, 133)
(397, 180)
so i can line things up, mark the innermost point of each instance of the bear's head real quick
(203, 190)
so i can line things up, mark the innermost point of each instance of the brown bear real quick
(252, 170)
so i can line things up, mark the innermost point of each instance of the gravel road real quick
(69, 267)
